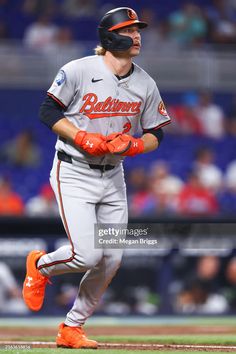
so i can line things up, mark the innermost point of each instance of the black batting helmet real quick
(114, 20)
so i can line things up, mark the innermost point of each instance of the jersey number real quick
(126, 128)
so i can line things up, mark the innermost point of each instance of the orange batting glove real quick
(112, 136)
(126, 145)
(92, 143)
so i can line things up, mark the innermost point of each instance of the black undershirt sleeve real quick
(50, 112)
(159, 134)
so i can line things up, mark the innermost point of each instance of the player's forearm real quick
(150, 142)
(65, 129)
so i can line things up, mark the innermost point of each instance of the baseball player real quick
(95, 106)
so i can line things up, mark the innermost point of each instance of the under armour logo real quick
(89, 144)
(29, 281)
(135, 144)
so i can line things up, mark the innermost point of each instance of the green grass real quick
(223, 339)
(100, 351)
(129, 321)
(213, 339)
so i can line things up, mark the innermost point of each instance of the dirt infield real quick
(11, 336)
(19, 332)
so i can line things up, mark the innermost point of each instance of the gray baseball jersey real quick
(95, 100)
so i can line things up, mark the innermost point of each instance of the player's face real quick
(134, 33)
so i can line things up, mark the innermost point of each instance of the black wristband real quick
(159, 134)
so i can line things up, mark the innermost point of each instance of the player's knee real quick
(89, 259)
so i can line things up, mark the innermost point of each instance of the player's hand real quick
(112, 136)
(92, 143)
(125, 145)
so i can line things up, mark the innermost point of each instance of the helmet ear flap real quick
(113, 41)
(108, 39)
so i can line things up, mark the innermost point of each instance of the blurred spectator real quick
(35, 7)
(165, 187)
(64, 48)
(43, 204)
(211, 116)
(197, 114)
(207, 269)
(79, 8)
(196, 298)
(187, 25)
(196, 200)
(227, 197)
(10, 293)
(230, 175)
(150, 35)
(185, 119)
(230, 288)
(227, 201)
(224, 32)
(63, 40)
(140, 200)
(215, 9)
(21, 151)
(221, 17)
(200, 292)
(210, 175)
(144, 301)
(157, 33)
(10, 202)
(129, 300)
(40, 34)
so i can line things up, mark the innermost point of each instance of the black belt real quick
(62, 156)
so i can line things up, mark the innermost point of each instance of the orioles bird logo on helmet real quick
(132, 14)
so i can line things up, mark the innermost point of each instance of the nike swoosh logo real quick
(96, 80)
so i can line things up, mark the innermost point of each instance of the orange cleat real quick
(35, 283)
(74, 337)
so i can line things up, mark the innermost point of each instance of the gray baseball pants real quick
(85, 197)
